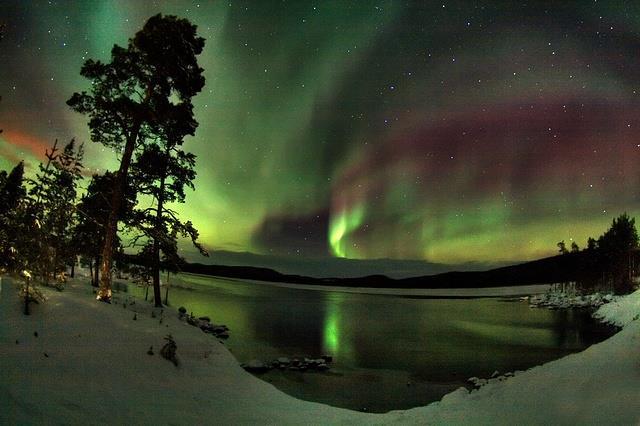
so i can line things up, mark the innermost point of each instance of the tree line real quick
(610, 260)
(139, 105)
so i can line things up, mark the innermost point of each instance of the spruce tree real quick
(51, 209)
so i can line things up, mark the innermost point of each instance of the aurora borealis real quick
(449, 131)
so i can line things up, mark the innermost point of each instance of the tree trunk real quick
(157, 297)
(166, 291)
(73, 268)
(104, 293)
(97, 272)
(93, 283)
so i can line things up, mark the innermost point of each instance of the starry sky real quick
(451, 131)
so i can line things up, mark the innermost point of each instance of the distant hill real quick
(338, 267)
(561, 268)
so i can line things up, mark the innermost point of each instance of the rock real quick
(223, 335)
(284, 360)
(327, 358)
(256, 366)
(150, 351)
(205, 318)
(206, 327)
(322, 367)
(495, 374)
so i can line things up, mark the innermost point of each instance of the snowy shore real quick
(88, 363)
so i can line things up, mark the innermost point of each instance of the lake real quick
(389, 352)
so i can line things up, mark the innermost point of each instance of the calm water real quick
(389, 352)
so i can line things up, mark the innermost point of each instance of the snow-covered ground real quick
(89, 364)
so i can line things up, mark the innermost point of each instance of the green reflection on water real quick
(331, 335)
(331, 338)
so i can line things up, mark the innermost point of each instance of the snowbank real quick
(89, 364)
(621, 311)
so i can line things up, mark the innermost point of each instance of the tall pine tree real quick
(134, 94)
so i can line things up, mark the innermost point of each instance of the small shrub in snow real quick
(168, 351)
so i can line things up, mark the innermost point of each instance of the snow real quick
(96, 370)
(622, 311)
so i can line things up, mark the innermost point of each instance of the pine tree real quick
(163, 171)
(93, 214)
(133, 95)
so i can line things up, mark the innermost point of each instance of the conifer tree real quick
(163, 171)
(92, 216)
(12, 193)
(51, 209)
(144, 85)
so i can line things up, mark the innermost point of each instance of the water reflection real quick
(383, 340)
(331, 337)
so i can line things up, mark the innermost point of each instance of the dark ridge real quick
(584, 266)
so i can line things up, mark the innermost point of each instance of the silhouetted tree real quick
(163, 171)
(93, 214)
(12, 193)
(592, 244)
(144, 85)
(574, 247)
(617, 245)
(562, 248)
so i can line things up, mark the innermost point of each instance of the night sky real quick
(446, 131)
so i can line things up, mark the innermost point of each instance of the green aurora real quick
(450, 132)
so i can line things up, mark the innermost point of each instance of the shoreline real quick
(466, 293)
